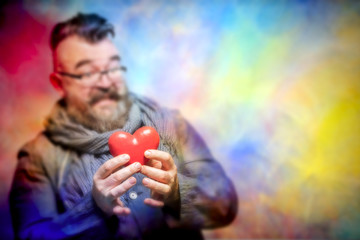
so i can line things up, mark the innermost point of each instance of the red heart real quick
(134, 145)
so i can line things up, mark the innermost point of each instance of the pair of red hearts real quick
(134, 145)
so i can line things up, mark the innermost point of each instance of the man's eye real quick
(114, 69)
(89, 74)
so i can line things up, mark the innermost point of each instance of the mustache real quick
(100, 94)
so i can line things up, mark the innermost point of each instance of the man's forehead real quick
(75, 51)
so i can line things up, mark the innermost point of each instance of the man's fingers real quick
(119, 208)
(119, 202)
(107, 168)
(154, 163)
(153, 202)
(164, 157)
(124, 173)
(156, 174)
(121, 211)
(158, 187)
(120, 189)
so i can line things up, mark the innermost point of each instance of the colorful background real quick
(274, 88)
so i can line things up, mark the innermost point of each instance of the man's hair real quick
(91, 27)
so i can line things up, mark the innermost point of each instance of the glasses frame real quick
(80, 76)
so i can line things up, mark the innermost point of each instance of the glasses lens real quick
(90, 78)
(115, 73)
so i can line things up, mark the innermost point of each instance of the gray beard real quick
(84, 115)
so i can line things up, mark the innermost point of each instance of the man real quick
(67, 185)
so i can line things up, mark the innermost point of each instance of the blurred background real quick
(272, 86)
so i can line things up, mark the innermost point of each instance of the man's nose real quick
(104, 81)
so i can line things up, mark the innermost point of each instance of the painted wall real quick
(274, 88)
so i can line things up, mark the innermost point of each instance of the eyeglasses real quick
(90, 78)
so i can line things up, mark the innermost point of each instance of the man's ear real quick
(57, 83)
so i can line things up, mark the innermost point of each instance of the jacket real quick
(207, 196)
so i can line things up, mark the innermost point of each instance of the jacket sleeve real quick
(36, 213)
(207, 196)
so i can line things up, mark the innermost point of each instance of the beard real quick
(84, 114)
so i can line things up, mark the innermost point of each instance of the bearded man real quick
(68, 185)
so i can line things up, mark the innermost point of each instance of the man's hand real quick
(162, 178)
(111, 181)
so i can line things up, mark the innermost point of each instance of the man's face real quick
(103, 104)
